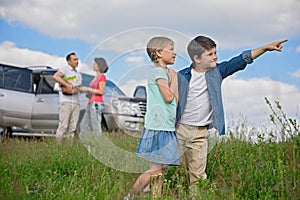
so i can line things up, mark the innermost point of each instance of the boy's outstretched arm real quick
(277, 46)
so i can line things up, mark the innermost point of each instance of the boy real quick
(200, 99)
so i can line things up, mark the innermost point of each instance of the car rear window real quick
(1, 76)
(15, 78)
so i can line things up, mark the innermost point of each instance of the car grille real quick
(143, 108)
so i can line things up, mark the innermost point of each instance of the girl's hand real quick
(173, 74)
(174, 83)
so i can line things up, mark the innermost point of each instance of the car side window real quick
(1, 76)
(15, 78)
(46, 83)
(112, 89)
(86, 79)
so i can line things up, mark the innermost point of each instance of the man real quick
(69, 79)
(200, 99)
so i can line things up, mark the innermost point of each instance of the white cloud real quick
(246, 98)
(127, 81)
(12, 55)
(95, 21)
(129, 86)
(135, 40)
(296, 74)
(298, 49)
(136, 60)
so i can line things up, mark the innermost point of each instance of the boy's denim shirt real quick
(214, 78)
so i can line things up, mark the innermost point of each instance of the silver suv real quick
(29, 104)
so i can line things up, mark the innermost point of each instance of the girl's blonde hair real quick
(156, 44)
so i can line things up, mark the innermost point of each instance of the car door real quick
(16, 96)
(45, 104)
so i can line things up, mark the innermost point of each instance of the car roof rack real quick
(39, 67)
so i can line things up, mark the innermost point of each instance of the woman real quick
(93, 114)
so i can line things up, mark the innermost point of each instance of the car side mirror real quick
(140, 92)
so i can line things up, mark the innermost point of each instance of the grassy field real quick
(237, 169)
(45, 169)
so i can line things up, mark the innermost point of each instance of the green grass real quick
(45, 169)
(35, 169)
(255, 171)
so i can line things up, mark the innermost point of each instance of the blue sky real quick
(27, 37)
(42, 33)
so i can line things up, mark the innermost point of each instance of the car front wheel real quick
(6, 132)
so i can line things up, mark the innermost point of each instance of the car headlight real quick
(127, 108)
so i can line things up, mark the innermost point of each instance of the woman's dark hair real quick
(103, 67)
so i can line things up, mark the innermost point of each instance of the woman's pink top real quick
(95, 85)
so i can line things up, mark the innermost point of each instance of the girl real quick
(93, 114)
(158, 143)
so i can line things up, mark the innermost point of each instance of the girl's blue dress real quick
(159, 147)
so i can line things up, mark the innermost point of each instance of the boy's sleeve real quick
(247, 56)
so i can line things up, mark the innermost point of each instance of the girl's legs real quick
(154, 173)
(156, 185)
